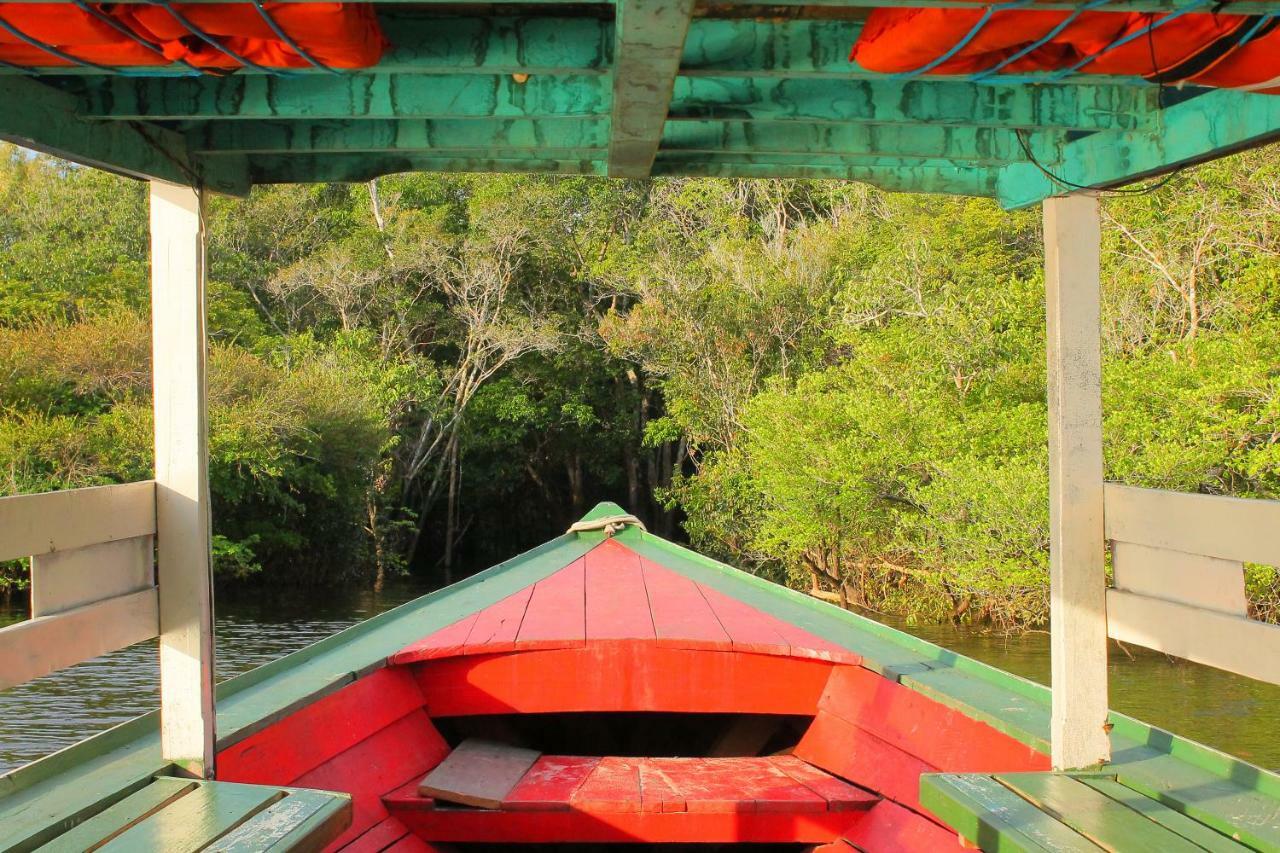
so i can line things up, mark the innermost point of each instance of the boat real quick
(629, 691)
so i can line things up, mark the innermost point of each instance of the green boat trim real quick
(42, 799)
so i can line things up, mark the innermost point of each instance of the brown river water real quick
(1236, 715)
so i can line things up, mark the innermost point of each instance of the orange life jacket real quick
(1203, 49)
(337, 35)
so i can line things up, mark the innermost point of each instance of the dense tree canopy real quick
(836, 387)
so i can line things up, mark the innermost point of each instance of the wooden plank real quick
(556, 615)
(650, 36)
(1077, 574)
(378, 837)
(658, 792)
(67, 579)
(616, 600)
(1109, 824)
(770, 789)
(322, 729)
(682, 618)
(889, 826)
(749, 630)
(495, 628)
(940, 736)
(40, 646)
(613, 786)
(396, 755)
(302, 821)
(843, 749)
(115, 819)
(1184, 826)
(550, 783)
(195, 820)
(839, 794)
(478, 773)
(448, 641)
(1240, 529)
(179, 401)
(34, 525)
(1200, 581)
(990, 815)
(1238, 645)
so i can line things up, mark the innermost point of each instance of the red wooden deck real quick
(567, 798)
(613, 594)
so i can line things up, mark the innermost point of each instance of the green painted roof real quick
(637, 88)
(1217, 789)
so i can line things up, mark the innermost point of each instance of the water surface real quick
(1233, 714)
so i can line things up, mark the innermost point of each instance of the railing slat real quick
(1233, 643)
(40, 646)
(65, 580)
(33, 525)
(1228, 528)
(1192, 579)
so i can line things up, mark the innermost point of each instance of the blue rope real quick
(287, 39)
(128, 33)
(1253, 31)
(51, 50)
(1041, 42)
(1154, 25)
(964, 42)
(210, 40)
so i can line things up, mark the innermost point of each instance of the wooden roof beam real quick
(649, 40)
(43, 118)
(1201, 128)
(588, 138)
(376, 96)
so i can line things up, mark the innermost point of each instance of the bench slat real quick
(196, 819)
(1112, 825)
(1188, 828)
(304, 820)
(115, 819)
(992, 816)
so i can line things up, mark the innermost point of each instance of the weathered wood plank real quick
(195, 820)
(1192, 830)
(1176, 576)
(550, 783)
(1238, 529)
(1109, 824)
(34, 525)
(548, 622)
(995, 818)
(1233, 643)
(67, 579)
(179, 400)
(496, 626)
(120, 817)
(1077, 573)
(478, 773)
(650, 38)
(617, 605)
(46, 644)
(303, 821)
(682, 618)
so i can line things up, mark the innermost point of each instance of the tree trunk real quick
(451, 512)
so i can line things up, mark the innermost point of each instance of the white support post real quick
(182, 486)
(1077, 578)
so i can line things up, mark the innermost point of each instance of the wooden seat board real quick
(1111, 825)
(613, 786)
(1188, 828)
(994, 817)
(195, 819)
(115, 819)
(840, 795)
(478, 773)
(302, 820)
(550, 783)
(617, 603)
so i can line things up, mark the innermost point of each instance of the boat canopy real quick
(961, 97)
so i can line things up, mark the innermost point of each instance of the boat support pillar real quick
(184, 570)
(1077, 604)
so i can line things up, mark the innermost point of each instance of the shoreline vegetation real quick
(837, 388)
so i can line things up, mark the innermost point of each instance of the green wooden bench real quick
(180, 815)
(1064, 812)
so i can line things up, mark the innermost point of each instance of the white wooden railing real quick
(1177, 561)
(93, 585)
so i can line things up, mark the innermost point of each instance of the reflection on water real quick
(1233, 714)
